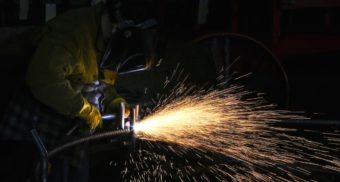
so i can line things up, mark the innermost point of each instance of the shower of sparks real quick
(222, 136)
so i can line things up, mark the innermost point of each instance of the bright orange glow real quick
(219, 121)
(193, 133)
(192, 120)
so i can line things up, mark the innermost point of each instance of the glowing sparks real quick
(219, 122)
(179, 118)
(197, 118)
(223, 135)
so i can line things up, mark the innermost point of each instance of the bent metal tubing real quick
(87, 139)
(44, 155)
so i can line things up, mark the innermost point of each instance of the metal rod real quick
(87, 139)
(43, 154)
(137, 112)
(122, 106)
(108, 117)
(133, 119)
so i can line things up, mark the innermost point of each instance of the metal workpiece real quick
(122, 112)
(124, 134)
(45, 155)
(125, 123)
(42, 153)
(82, 140)
(134, 117)
(137, 113)
(109, 117)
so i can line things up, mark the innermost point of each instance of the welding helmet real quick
(134, 43)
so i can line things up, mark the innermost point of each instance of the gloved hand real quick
(91, 115)
(113, 106)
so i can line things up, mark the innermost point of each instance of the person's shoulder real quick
(97, 8)
(75, 18)
(78, 12)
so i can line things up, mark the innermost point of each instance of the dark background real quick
(302, 34)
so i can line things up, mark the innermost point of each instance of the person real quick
(72, 72)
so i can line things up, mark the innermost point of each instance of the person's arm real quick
(47, 79)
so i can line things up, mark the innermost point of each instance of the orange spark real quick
(221, 122)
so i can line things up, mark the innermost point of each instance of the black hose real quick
(87, 139)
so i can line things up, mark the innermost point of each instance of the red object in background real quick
(305, 44)
(301, 44)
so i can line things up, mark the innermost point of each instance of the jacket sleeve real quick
(47, 78)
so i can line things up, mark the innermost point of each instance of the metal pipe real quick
(137, 112)
(133, 119)
(108, 117)
(43, 155)
(135, 116)
(87, 139)
(122, 106)
(105, 118)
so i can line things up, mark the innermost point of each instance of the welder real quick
(72, 72)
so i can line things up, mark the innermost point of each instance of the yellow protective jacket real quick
(66, 58)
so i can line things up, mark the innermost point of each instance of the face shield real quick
(132, 47)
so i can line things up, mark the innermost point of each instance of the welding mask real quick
(133, 45)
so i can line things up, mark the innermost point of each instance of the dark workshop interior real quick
(289, 50)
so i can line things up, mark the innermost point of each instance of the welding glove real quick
(113, 106)
(90, 114)
(111, 101)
